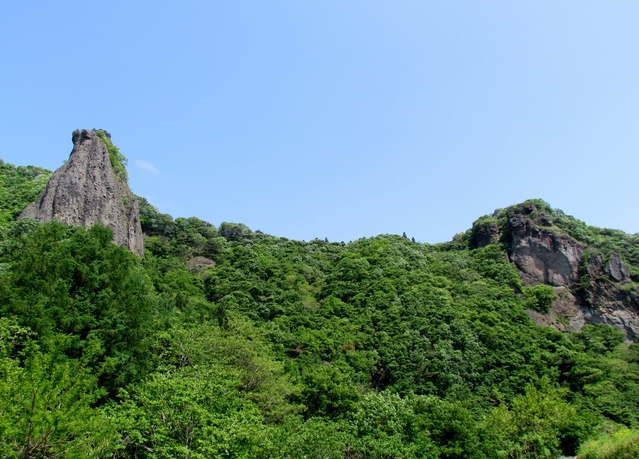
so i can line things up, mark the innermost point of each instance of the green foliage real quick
(309, 439)
(623, 444)
(183, 238)
(606, 376)
(19, 186)
(387, 426)
(192, 412)
(46, 402)
(599, 338)
(153, 222)
(327, 391)
(491, 261)
(531, 427)
(539, 297)
(234, 231)
(452, 426)
(117, 159)
(240, 349)
(73, 282)
(485, 229)
(584, 276)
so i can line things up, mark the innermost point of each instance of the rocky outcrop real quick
(590, 287)
(565, 313)
(541, 255)
(616, 268)
(608, 295)
(85, 191)
(484, 234)
(197, 264)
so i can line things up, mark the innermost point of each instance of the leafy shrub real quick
(46, 402)
(74, 282)
(599, 338)
(531, 427)
(539, 297)
(19, 186)
(234, 231)
(623, 444)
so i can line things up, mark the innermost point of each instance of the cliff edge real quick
(86, 190)
(592, 284)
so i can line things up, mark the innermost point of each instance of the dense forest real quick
(223, 342)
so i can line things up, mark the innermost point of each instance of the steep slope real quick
(87, 190)
(591, 281)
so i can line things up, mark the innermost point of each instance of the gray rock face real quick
(589, 287)
(616, 268)
(85, 191)
(565, 313)
(542, 256)
(602, 294)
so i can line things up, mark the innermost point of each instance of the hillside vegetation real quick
(19, 186)
(223, 342)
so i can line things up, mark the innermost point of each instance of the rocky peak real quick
(590, 286)
(86, 190)
(541, 254)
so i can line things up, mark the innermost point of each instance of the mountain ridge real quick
(386, 346)
(592, 283)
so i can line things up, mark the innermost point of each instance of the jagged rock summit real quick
(591, 285)
(86, 190)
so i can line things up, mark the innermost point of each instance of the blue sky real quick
(339, 119)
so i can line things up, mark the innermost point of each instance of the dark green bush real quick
(539, 297)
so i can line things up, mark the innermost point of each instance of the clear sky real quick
(339, 119)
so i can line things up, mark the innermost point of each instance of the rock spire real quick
(85, 190)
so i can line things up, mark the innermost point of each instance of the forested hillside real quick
(223, 342)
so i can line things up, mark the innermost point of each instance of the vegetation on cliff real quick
(118, 160)
(225, 342)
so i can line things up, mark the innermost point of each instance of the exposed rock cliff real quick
(541, 255)
(590, 286)
(85, 190)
